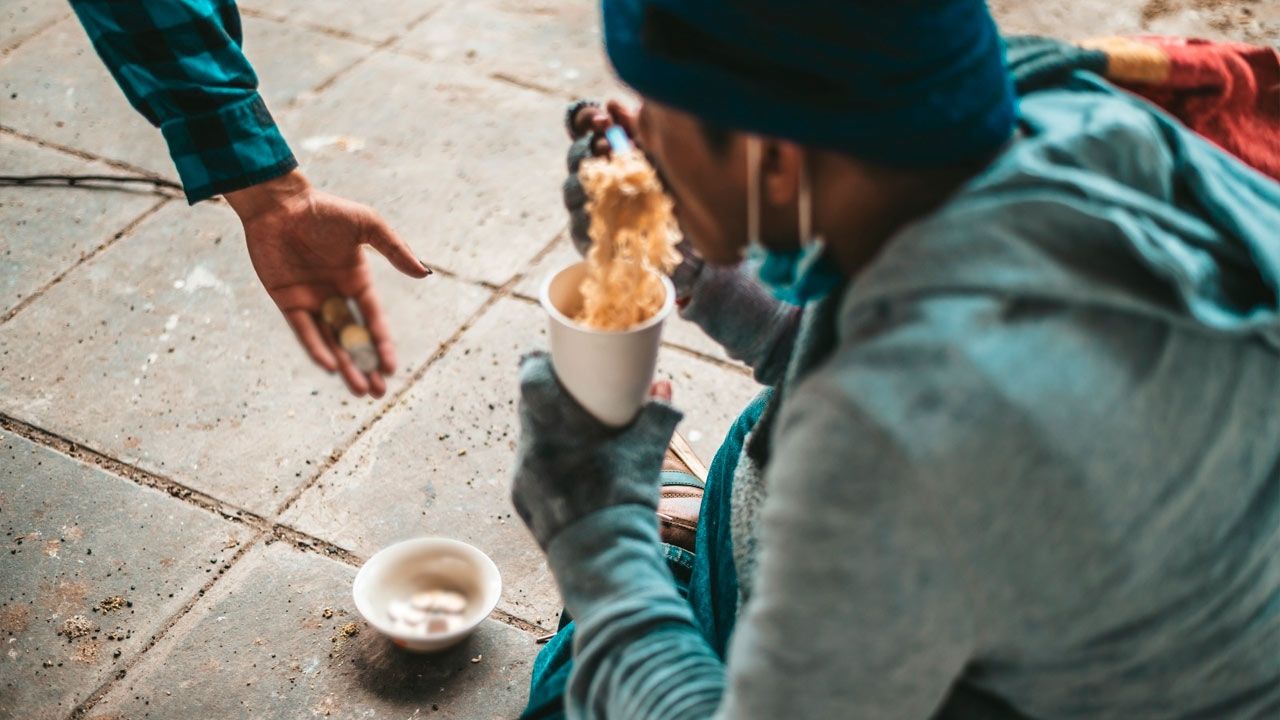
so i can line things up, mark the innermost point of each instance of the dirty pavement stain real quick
(14, 618)
(63, 597)
(87, 651)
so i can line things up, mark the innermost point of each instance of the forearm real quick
(638, 653)
(745, 319)
(180, 64)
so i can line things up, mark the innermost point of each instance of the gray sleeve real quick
(858, 609)
(751, 325)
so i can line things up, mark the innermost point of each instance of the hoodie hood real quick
(1102, 200)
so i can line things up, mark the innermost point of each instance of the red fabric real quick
(1227, 92)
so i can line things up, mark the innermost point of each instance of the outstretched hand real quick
(307, 246)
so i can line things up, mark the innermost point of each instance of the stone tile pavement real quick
(162, 440)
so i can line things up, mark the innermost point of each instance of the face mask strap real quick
(804, 199)
(804, 203)
(753, 192)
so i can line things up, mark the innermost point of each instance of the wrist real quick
(685, 275)
(268, 195)
(608, 554)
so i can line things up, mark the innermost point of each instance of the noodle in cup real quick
(607, 371)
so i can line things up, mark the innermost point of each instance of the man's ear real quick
(780, 170)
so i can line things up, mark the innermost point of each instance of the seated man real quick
(1018, 455)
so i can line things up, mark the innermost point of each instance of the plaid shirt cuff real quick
(230, 149)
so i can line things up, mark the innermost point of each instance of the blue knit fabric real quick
(908, 84)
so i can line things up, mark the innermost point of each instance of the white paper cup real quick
(427, 563)
(607, 372)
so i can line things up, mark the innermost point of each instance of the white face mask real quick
(794, 276)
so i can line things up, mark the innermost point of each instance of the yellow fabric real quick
(1131, 61)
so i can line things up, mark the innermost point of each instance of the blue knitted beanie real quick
(905, 83)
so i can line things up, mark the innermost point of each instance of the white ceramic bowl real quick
(428, 563)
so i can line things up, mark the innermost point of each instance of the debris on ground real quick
(115, 602)
(327, 613)
(119, 634)
(87, 652)
(76, 626)
(344, 632)
(477, 658)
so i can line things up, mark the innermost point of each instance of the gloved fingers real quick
(575, 197)
(580, 231)
(538, 383)
(625, 116)
(547, 408)
(656, 424)
(579, 150)
(592, 144)
(579, 116)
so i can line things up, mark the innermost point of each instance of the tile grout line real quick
(265, 528)
(502, 77)
(83, 708)
(81, 154)
(375, 47)
(503, 291)
(394, 401)
(83, 259)
(414, 23)
(530, 85)
(131, 473)
(719, 362)
(338, 33)
(190, 496)
(34, 34)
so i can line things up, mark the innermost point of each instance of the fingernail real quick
(423, 263)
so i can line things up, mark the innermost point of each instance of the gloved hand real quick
(578, 122)
(569, 465)
(586, 123)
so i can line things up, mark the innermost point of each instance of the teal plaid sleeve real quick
(181, 65)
